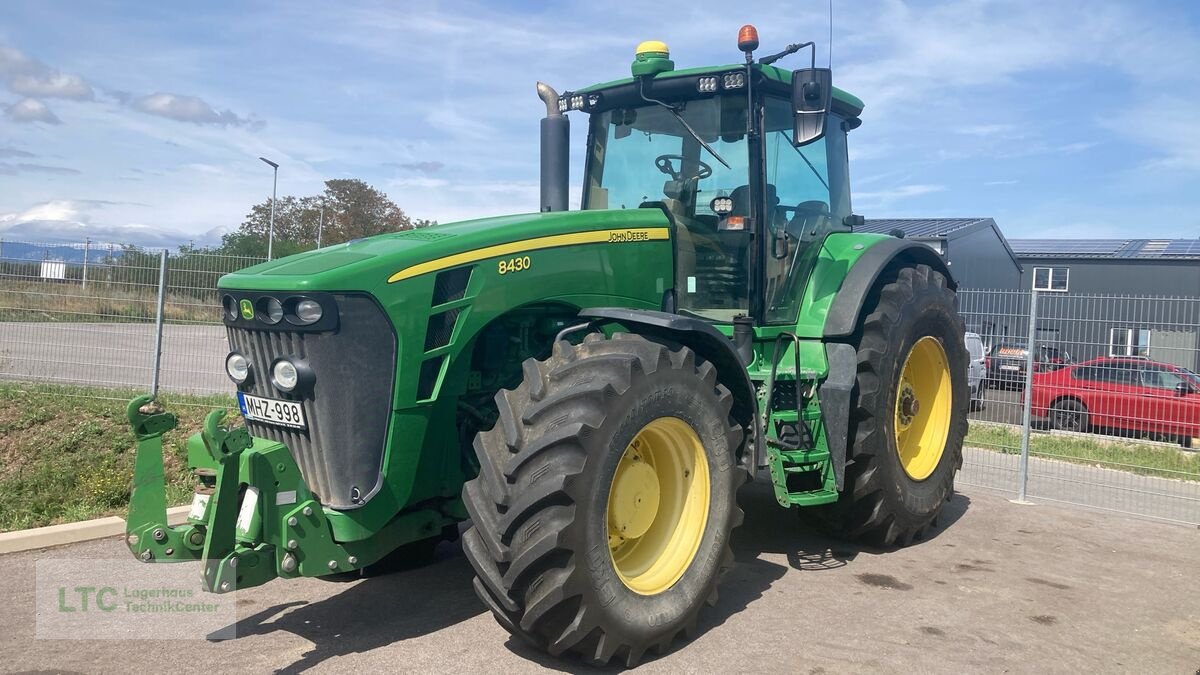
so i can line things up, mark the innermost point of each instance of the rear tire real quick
(882, 504)
(542, 537)
(1069, 414)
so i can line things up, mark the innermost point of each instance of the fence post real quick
(158, 321)
(87, 243)
(1027, 409)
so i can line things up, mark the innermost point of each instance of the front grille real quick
(340, 455)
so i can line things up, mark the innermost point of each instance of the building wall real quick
(1083, 318)
(978, 259)
(1123, 276)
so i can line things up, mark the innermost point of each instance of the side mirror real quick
(1183, 389)
(812, 93)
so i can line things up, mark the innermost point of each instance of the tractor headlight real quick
(735, 80)
(707, 84)
(292, 375)
(230, 307)
(305, 311)
(284, 375)
(237, 367)
(270, 310)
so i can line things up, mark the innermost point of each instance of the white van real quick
(976, 369)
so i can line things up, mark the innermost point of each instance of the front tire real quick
(908, 412)
(602, 513)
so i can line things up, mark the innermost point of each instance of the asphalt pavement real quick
(115, 355)
(998, 587)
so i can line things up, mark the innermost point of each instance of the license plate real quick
(1010, 367)
(272, 411)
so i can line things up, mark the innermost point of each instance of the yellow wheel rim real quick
(658, 506)
(923, 404)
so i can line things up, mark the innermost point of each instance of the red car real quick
(1126, 394)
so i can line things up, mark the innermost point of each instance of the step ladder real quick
(801, 470)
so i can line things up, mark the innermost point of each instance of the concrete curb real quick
(72, 533)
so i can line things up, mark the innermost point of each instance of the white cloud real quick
(51, 85)
(29, 77)
(25, 167)
(189, 109)
(986, 129)
(882, 199)
(14, 152)
(31, 110)
(72, 221)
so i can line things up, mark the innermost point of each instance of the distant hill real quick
(18, 251)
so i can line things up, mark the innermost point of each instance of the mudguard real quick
(842, 319)
(701, 337)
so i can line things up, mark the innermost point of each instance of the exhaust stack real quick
(556, 152)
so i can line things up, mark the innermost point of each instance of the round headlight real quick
(237, 367)
(284, 375)
(270, 310)
(307, 311)
(230, 306)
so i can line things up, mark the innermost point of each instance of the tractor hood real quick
(367, 264)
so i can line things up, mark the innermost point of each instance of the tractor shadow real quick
(769, 529)
(380, 611)
(373, 612)
(767, 533)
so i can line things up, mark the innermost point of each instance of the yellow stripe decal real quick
(620, 236)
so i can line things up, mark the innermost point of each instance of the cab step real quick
(802, 477)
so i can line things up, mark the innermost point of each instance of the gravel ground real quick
(998, 588)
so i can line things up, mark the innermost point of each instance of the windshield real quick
(645, 156)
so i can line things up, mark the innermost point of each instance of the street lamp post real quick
(321, 223)
(274, 187)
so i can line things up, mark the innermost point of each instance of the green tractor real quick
(589, 388)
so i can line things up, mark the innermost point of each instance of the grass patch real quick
(1115, 453)
(67, 302)
(66, 453)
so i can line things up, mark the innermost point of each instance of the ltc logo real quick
(247, 309)
(86, 592)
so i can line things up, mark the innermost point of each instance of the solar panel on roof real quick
(1067, 246)
(918, 227)
(1182, 247)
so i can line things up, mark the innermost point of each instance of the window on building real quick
(1129, 342)
(1050, 278)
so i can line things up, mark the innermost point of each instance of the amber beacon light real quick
(748, 38)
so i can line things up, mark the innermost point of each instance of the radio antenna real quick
(831, 34)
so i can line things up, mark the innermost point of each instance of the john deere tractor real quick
(588, 388)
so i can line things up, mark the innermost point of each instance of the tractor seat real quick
(808, 219)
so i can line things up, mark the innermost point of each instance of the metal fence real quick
(95, 316)
(1119, 433)
(1113, 419)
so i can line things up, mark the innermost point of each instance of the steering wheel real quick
(663, 162)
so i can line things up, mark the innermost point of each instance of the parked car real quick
(1124, 394)
(1006, 362)
(976, 369)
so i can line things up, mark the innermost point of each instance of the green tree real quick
(352, 210)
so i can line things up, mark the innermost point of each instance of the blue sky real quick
(142, 122)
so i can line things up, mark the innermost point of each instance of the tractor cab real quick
(750, 190)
